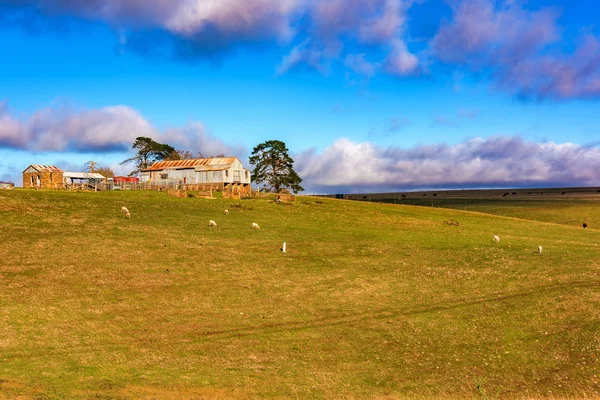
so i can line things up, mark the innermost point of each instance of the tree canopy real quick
(106, 172)
(274, 167)
(148, 152)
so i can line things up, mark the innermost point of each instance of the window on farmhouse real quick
(226, 173)
(164, 176)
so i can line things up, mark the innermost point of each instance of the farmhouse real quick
(42, 177)
(219, 173)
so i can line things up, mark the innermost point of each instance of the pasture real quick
(571, 211)
(370, 301)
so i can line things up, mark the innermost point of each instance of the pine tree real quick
(274, 167)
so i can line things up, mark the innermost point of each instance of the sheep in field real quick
(496, 238)
(212, 223)
(124, 210)
(225, 212)
(540, 249)
(584, 225)
(255, 226)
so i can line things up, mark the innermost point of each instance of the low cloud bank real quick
(106, 130)
(350, 167)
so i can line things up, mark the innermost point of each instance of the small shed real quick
(120, 180)
(124, 182)
(82, 178)
(7, 185)
(42, 177)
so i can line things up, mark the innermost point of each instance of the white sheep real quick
(127, 215)
(212, 223)
(124, 210)
(540, 249)
(255, 226)
(496, 238)
(225, 212)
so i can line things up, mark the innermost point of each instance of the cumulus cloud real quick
(560, 77)
(335, 25)
(371, 22)
(109, 129)
(515, 45)
(62, 129)
(253, 19)
(518, 47)
(191, 29)
(494, 31)
(188, 29)
(348, 166)
(400, 61)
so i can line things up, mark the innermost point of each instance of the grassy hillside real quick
(371, 301)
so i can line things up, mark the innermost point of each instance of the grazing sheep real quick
(496, 238)
(124, 210)
(212, 223)
(255, 226)
(540, 249)
(226, 212)
(127, 215)
(584, 225)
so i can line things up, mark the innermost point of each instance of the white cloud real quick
(496, 161)
(109, 129)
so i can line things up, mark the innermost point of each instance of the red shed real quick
(119, 180)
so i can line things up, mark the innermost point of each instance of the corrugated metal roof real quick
(82, 175)
(222, 162)
(41, 168)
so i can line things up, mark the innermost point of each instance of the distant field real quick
(567, 206)
(371, 300)
(571, 211)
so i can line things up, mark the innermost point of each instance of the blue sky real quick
(367, 94)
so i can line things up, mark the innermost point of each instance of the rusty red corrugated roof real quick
(216, 162)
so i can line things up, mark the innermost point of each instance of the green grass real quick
(371, 300)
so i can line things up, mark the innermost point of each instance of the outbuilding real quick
(42, 177)
(82, 178)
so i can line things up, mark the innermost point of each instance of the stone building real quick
(42, 177)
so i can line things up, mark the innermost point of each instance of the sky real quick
(368, 95)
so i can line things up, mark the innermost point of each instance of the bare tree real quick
(91, 166)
